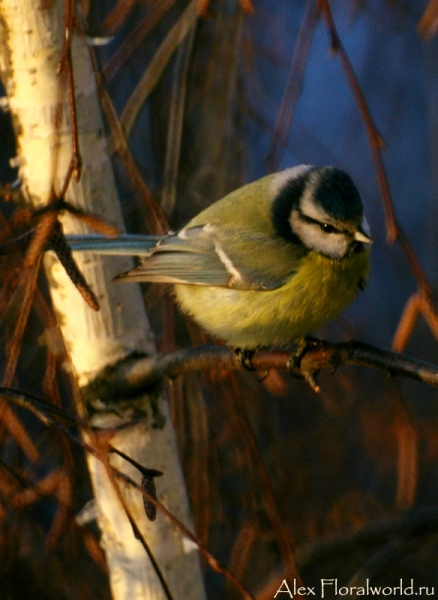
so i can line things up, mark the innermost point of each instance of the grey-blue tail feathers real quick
(122, 245)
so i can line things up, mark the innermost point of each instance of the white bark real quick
(32, 42)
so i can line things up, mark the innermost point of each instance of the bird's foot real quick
(245, 356)
(308, 369)
(304, 345)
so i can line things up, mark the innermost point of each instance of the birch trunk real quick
(32, 37)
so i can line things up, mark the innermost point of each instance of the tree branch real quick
(136, 374)
(46, 413)
(378, 533)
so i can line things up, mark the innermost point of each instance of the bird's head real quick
(320, 208)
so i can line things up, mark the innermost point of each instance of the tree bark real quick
(32, 41)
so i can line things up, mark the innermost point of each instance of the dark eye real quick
(327, 227)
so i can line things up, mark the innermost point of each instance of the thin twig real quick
(13, 349)
(175, 123)
(411, 522)
(264, 483)
(66, 63)
(131, 43)
(112, 475)
(43, 411)
(117, 15)
(294, 84)
(59, 245)
(394, 230)
(49, 234)
(396, 547)
(210, 559)
(160, 60)
(117, 143)
(375, 139)
(408, 524)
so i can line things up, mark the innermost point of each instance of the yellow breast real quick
(316, 294)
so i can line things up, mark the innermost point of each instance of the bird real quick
(265, 266)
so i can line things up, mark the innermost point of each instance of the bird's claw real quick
(245, 356)
(306, 344)
(308, 368)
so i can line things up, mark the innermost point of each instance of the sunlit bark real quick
(32, 38)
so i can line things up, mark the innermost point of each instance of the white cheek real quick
(334, 245)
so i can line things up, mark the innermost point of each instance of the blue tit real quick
(268, 264)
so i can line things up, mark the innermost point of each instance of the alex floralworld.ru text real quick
(330, 587)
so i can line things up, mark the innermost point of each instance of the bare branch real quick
(403, 527)
(136, 374)
(131, 43)
(294, 84)
(44, 411)
(395, 231)
(161, 58)
(66, 63)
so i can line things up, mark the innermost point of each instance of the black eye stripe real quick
(326, 227)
